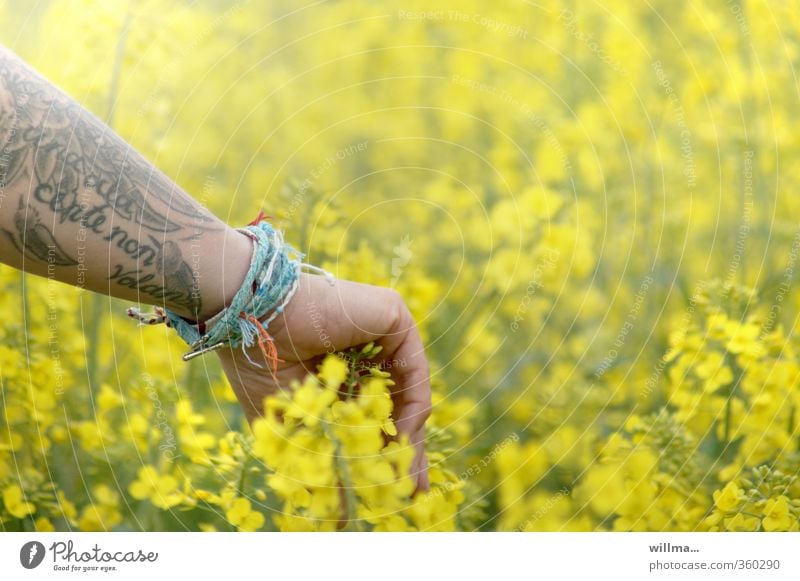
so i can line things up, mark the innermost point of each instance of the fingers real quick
(413, 386)
(252, 384)
(419, 468)
(380, 314)
(323, 318)
(412, 390)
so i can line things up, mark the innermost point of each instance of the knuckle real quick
(396, 308)
(393, 296)
(425, 411)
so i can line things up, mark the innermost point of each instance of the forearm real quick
(79, 205)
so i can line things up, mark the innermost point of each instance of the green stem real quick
(243, 475)
(737, 378)
(343, 472)
(154, 517)
(92, 339)
(189, 379)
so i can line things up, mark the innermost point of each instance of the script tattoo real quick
(175, 282)
(83, 173)
(131, 246)
(64, 150)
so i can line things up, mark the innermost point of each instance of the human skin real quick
(81, 206)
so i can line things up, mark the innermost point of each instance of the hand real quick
(322, 319)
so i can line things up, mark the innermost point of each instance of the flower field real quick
(589, 207)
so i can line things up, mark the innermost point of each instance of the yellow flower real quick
(430, 511)
(776, 515)
(717, 323)
(326, 503)
(10, 362)
(103, 513)
(290, 522)
(604, 488)
(67, 507)
(393, 523)
(98, 518)
(108, 398)
(374, 398)
(741, 337)
(333, 372)
(310, 402)
(196, 444)
(742, 523)
(105, 495)
(43, 525)
(290, 490)
(714, 371)
(11, 441)
(15, 504)
(137, 429)
(376, 401)
(92, 433)
(243, 517)
(359, 435)
(269, 439)
(186, 415)
(728, 498)
(162, 491)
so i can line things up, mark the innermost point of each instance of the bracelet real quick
(269, 285)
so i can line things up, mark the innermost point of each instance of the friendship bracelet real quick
(270, 283)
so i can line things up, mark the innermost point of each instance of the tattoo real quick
(180, 286)
(83, 173)
(131, 246)
(33, 236)
(66, 207)
(67, 149)
(170, 291)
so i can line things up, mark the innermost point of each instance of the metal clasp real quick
(200, 348)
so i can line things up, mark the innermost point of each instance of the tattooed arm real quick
(78, 204)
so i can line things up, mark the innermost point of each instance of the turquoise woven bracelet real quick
(268, 286)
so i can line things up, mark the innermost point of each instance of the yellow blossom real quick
(161, 490)
(243, 517)
(15, 503)
(728, 498)
(333, 372)
(776, 515)
(714, 372)
(43, 525)
(741, 337)
(310, 402)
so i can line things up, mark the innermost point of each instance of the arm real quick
(79, 205)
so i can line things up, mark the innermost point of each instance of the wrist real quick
(224, 269)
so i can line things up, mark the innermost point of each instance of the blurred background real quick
(590, 208)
